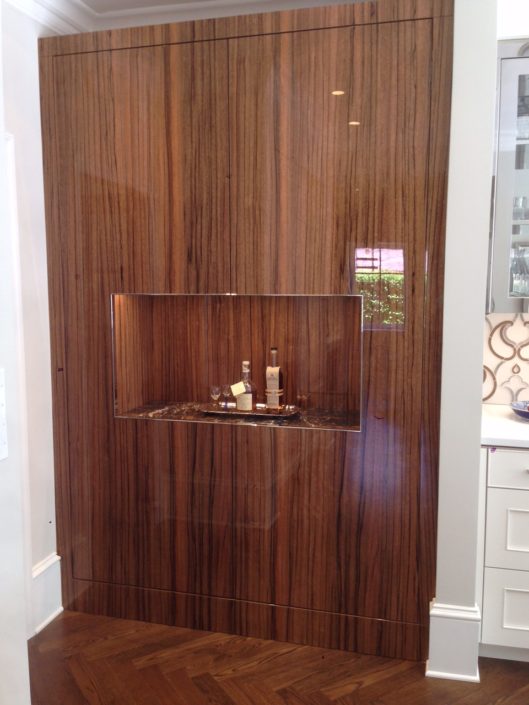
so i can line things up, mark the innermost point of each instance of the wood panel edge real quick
(442, 39)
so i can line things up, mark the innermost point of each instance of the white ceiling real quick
(107, 6)
(69, 16)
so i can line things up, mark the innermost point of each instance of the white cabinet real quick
(507, 530)
(506, 567)
(509, 469)
(509, 282)
(506, 608)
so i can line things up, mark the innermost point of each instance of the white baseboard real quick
(451, 676)
(46, 599)
(454, 641)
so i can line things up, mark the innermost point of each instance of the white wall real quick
(14, 683)
(455, 617)
(22, 121)
(513, 19)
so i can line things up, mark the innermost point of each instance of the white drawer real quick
(509, 468)
(506, 608)
(507, 530)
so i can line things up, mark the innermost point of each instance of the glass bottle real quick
(246, 400)
(274, 382)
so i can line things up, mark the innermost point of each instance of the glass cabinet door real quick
(510, 272)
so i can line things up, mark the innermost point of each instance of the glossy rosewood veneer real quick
(181, 166)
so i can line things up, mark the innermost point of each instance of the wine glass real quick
(214, 392)
(226, 393)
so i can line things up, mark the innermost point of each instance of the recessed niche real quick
(169, 349)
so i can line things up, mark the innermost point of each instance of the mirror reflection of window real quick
(519, 256)
(379, 277)
(522, 123)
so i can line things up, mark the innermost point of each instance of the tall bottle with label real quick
(274, 382)
(246, 400)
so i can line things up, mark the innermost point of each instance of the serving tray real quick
(230, 409)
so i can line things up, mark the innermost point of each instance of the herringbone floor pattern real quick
(87, 660)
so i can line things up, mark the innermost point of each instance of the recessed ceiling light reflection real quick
(354, 122)
(338, 93)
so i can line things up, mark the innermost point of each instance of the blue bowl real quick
(521, 408)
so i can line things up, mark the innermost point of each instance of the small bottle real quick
(274, 383)
(246, 400)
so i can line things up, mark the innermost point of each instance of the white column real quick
(455, 616)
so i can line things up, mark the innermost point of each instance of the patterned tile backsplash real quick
(506, 358)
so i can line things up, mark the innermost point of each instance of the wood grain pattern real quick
(388, 166)
(263, 515)
(342, 538)
(308, 188)
(82, 658)
(370, 12)
(174, 348)
(128, 177)
(205, 167)
(145, 203)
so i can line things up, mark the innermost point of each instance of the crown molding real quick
(58, 16)
(72, 16)
(180, 8)
(200, 9)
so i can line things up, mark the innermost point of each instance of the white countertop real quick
(501, 427)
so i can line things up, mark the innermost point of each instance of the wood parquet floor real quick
(82, 659)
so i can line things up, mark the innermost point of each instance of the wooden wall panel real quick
(254, 515)
(154, 186)
(307, 187)
(373, 194)
(162, 518)
(132, 515)
(146, 158)
(266, 515)
(310, 560)
(136, 202)
(347, 527)
(204, 513)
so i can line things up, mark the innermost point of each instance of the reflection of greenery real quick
(383, 298)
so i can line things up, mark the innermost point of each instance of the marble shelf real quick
(191, 412)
